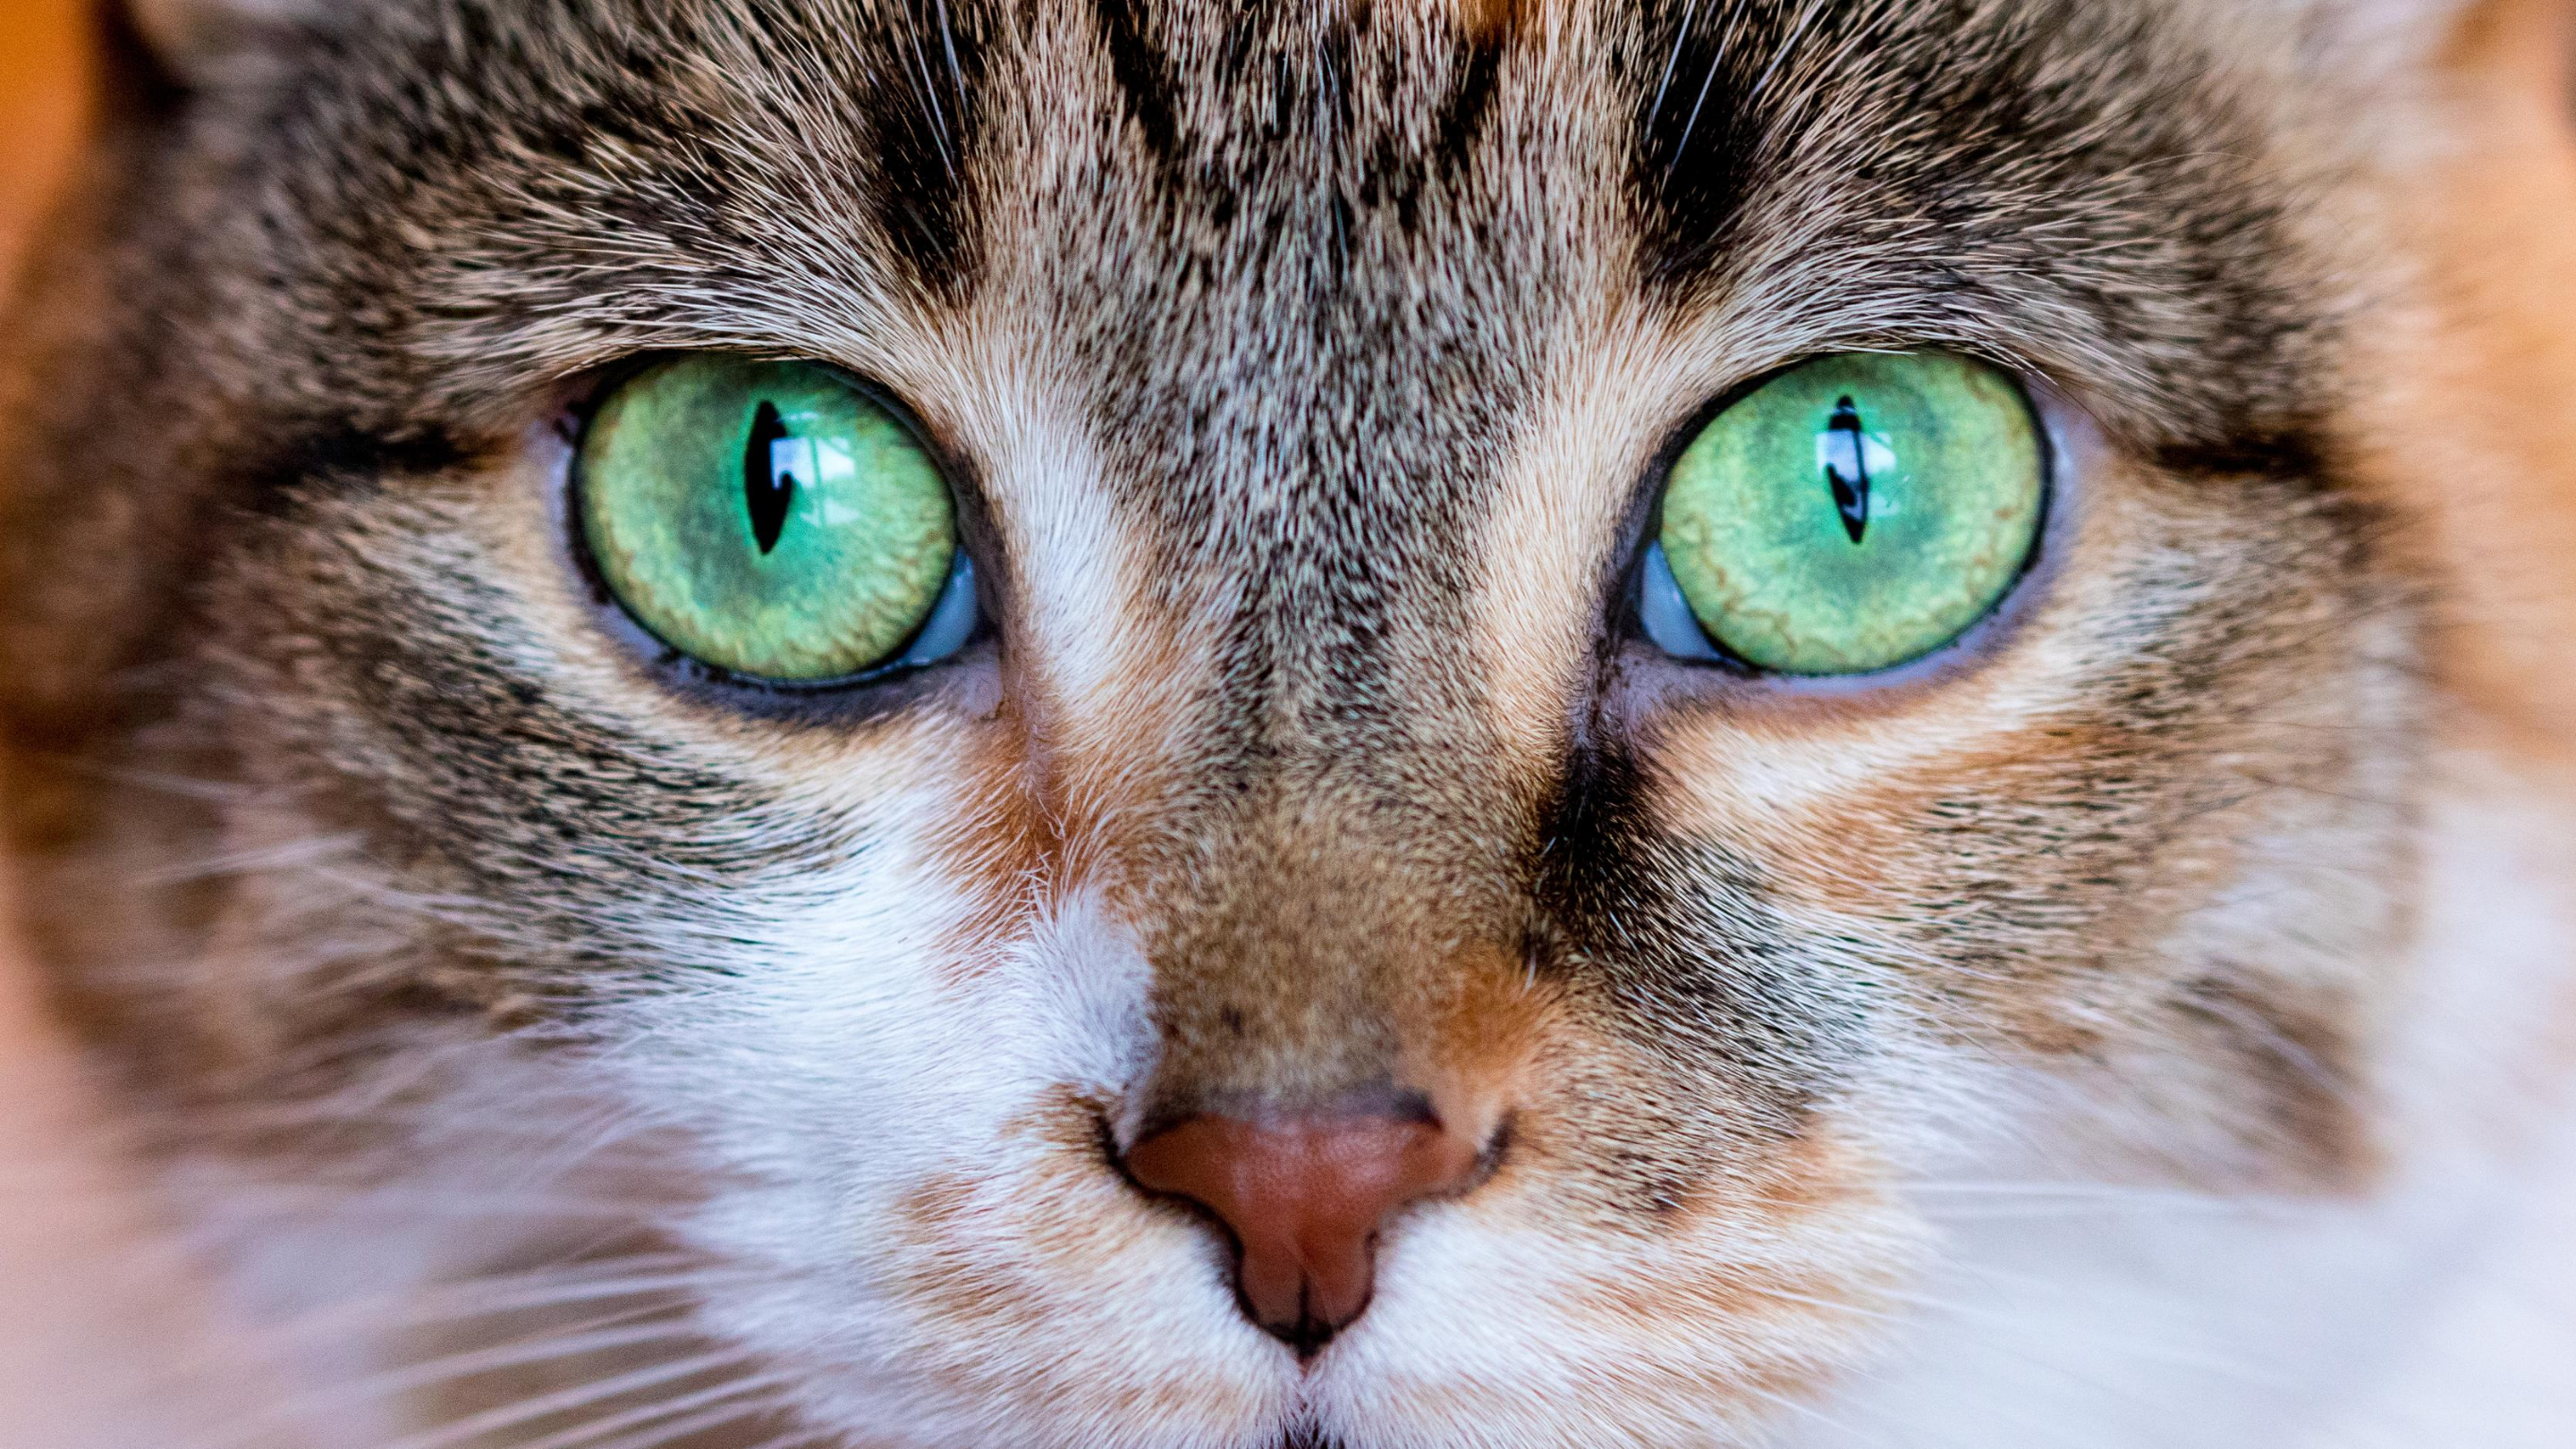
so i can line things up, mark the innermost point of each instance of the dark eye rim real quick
(1646, 527)
(756, 693)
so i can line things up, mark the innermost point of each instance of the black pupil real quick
(767, 485)
(1847, 468)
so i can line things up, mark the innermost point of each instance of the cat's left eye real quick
(1847, 516)
(773, 520)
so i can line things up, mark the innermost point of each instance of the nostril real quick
(1304, 1197)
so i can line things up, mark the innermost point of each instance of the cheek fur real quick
(2091, 850)
(1699, 1322)
(910, 1153)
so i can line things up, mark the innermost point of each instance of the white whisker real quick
(565, 1401)
(469, 1299)
(692, 1411)
(1810, 1411)
(446, 1369)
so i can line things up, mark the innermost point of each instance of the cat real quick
(1157, 722)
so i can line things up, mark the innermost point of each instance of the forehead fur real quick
(1274, 256)
(693, 174)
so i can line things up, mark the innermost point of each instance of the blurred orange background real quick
(44, 75)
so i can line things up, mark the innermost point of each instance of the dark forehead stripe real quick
(1143, 77)
(1255, 51)
(1731, 99)
(1289, 306)
(1471, 100)
(1306, 337)
(929, 111)
(2071, 183)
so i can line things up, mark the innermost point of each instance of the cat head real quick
(1320, 892)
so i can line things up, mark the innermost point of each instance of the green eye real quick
(1849, 515)
(772, 520)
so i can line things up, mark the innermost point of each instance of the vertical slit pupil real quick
(767, 484)
(1847, 467)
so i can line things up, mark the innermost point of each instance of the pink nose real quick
(1305, 1197)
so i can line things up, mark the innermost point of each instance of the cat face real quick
(1312, 956)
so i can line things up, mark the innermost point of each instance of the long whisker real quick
(695, 1410)
(1681, 37)
(2085, 1192)
(280, 856)
(565, 1401)
(468, 1299)
(591, 1339)
(450, 1203)
(1810, 1411)
(2150, 1350)
(1708, 78)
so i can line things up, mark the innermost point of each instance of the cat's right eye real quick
(1847, 516)
(773, 520)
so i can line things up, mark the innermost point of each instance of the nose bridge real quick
(1333, 852)
(1313, 1089)
(1336, 832)
(1285, 972)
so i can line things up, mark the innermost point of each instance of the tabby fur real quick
(1307, 369)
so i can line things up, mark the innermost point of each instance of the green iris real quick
(767, 518)
(1855, 512)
